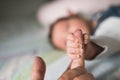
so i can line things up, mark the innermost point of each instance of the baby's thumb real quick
(39, 69)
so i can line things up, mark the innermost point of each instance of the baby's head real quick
(60, 29)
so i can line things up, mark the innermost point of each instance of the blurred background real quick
(22, 36)
(18, 25)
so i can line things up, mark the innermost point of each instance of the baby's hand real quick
(76, 48)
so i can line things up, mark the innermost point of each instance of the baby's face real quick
(64, 27)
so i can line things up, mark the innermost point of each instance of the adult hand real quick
(78, 73)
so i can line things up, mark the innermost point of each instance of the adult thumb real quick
(39, 69)
(80, 60)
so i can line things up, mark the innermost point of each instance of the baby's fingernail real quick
(86, 41)
(86, 38)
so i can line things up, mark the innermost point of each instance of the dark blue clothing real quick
(112, 11)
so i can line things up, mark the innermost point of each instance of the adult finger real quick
(85, 76)
(39, 69)
(79, 61)
(79, 35)
(72, 73)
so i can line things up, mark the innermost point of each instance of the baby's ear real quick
(70, 13)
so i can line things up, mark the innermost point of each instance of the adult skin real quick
(77, 73)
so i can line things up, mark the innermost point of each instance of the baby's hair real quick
(61, 19)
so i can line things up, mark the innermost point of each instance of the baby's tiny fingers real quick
(72, 44)
(75, 53)
(72, 56)
(73, 50)
(86, 38)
